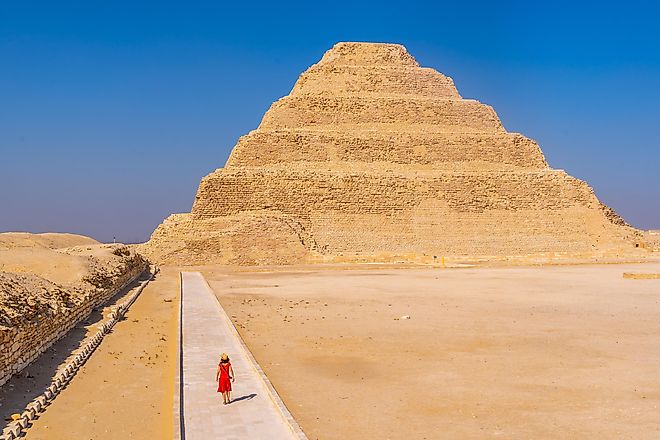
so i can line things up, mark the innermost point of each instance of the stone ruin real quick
(372, 158)
(36, 312)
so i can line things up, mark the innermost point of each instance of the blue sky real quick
(111, 112)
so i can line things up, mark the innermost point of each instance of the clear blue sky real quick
(111, 112)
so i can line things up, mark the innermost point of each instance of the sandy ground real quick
(515, 353)
(37, 254)
(48, 240)
(126, 388)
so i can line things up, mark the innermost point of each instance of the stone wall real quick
(43, 317)
(651, 240)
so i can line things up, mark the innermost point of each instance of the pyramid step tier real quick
(393, 81)
(437, 150)
(334, 111)
(368, 54)
(305, 192)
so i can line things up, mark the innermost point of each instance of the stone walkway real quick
(257, 411)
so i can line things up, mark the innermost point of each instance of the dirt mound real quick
(64, 259)
(50, 240)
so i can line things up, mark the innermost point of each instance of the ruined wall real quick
(372, 155)
(259, 238)
(35, 313)
(651, 240)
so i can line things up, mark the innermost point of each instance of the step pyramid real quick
(372, 158)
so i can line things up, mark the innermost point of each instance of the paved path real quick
(257, 412)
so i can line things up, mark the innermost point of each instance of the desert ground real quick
(520, 352)
(539, 352)
(126, 388)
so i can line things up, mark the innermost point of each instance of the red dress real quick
(224, 384)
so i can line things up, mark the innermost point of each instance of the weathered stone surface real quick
(435, 151)
(373, 158)
(35, 312)
(652, 240)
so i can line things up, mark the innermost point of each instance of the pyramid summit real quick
(374, 158)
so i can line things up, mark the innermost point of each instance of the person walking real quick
(224, 376)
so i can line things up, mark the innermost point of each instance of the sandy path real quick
(560, 352)
(126, 388)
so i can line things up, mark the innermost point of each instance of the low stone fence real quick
(20, 346)
(22, 421)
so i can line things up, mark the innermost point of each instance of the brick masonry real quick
(22, 343)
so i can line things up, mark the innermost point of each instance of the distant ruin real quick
(372, 158)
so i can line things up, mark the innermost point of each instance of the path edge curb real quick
(272, 392)
(179, 431)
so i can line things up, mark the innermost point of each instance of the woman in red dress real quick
(224, 376)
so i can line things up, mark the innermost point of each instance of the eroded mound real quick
(12, 240)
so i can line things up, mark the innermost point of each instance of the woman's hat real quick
(224, 357)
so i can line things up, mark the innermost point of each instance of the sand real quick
(126, 389)
(47, 256)
(567, 351)
(551, 352)
(48, 240)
